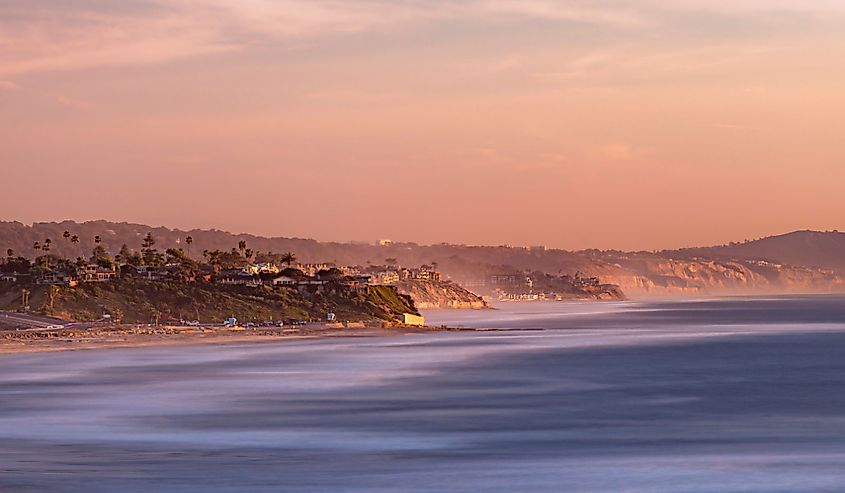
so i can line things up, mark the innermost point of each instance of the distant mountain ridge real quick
(802, 261)
(825, 250)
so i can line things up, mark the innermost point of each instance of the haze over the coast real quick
(616, 124)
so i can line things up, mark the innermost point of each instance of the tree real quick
(45, 247)
(125, 252)
(10, 253)
(36, 246)
(150, 255)
(74, 239)
(248, 253)
(288, 258)
(100, 257)
(242, 245)
(98, 240)
(66, 235)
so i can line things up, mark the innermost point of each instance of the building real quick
(150, 272)
(9, 278)
(509, 280)
(385, 278)
(238, 278)
(312, 269)
(284, 281)
(262, 268)
(411, 319)
(96, 273)
(424, 273)
(56, 278)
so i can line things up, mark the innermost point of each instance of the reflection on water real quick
(741, 395)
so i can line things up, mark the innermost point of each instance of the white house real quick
(284, 281)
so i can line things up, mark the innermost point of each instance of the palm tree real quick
(74, 239)
(242, 245)
(66, 235)
(248, 253)
(288, 258)
(46, 246)
(36, 246)
(10, 253)
(189, 240)
(97, 239)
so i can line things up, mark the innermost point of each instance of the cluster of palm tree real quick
(149, 255)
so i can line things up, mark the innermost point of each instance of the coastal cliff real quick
(701, 276)
(440, 294)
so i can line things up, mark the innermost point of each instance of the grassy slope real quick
(139, 301)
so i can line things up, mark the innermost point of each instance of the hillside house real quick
(56, 279)
(238, 278)
(96, 273)
(284, 281)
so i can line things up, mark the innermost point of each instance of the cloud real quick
(43, 35)
(51, 35)
(73, 103)
(7, 85)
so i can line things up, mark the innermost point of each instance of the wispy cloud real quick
(73, 103)
(42, 35)
(48, 35)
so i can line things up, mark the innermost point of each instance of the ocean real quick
(733, 395)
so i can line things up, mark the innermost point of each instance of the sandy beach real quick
(29, 341)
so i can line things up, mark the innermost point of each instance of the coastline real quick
(23, 342)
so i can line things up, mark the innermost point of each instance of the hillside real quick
(140, 301)
(795, 263)
(825, 250)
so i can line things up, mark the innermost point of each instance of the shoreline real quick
(24, 342)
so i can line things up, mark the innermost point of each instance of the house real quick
(386, 277)
(425, 273)
(284, 281)
(507, 279)
(313, 269)
(150, 273)
(363, 280)
(56, 278)
(96, 273)
(238, 278)
(262, 268)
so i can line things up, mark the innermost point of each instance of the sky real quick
(629, 124)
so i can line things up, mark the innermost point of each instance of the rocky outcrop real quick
(440, 294)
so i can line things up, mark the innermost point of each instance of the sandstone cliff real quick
(654, 275)
(440, 294)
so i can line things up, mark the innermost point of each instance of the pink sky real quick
(615, 124)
